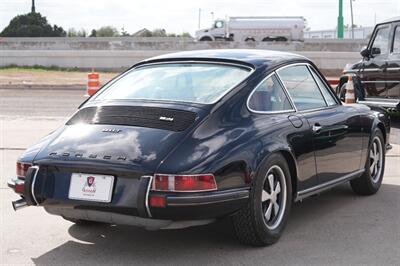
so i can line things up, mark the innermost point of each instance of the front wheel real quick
(371, 180)
(262, 220)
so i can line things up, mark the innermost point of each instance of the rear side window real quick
(396, 42)
(381, 41)
(324, 89)
(302, 87)
(269, 96)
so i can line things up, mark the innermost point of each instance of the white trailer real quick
(255, 29)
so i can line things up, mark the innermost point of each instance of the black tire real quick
(250, 223)
(249, 39)
(370, 181)
(206, 39)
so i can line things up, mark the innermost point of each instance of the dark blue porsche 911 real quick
(187, 138)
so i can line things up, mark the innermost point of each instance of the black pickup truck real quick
(377, 75)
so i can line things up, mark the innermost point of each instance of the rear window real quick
(184, 82)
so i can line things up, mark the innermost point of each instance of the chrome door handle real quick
(316, 129)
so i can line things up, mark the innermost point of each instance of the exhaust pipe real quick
(19, 204)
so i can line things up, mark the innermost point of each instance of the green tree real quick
(186, 34)
(107, 31)
(32, 25)
(72, 32)
(159, 33)
(93, 33)
(82, 33)
(124, 33)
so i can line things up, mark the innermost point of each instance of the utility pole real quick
(199, 17)
(340, 21)
(33, 6)
(352, 22)
(212, 16)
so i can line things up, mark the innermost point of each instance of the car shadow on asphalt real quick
(319, 225)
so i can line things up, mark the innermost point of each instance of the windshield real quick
(185, 82)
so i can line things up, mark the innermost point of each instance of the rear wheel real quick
(371, 180)
(249, 39)
(262, 221)
(206, 39)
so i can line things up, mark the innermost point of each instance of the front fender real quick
(381, 121)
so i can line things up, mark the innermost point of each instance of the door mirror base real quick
(365, 53)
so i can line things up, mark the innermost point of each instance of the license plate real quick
(91, 187)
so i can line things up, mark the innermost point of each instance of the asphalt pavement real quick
(336, 227)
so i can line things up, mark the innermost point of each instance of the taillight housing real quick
(22, 169)
(184, 183)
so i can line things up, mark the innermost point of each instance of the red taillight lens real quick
(195, 183)
(19, 187)
(22, 169)
(157, 201)
(160, 182)
(184, 183)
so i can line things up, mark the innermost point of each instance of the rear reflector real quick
(184, 183)
(19, 187)
(22, 169)
(157, 201)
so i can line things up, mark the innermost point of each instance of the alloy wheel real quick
(375, 159)
(273, 197)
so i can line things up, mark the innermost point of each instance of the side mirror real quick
(365, 53)
(375, 51)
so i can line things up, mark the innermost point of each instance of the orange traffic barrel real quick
(333, 82)
(350, 96)
(93, 83)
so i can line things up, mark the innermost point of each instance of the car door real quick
(373, 69)
(393, 66)
(335, 128)
(269, 101)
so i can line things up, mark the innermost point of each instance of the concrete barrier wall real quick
(172, 43)
(329, 62)
(119, 53)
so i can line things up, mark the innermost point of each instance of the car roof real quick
(251, 57)
(390, 20)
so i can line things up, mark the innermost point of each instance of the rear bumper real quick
(201, 204)
(130, 199)
(123, 219)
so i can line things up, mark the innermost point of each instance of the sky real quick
(183, 15)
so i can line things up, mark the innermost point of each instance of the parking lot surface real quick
(336, 227)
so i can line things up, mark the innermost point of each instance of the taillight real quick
(22, 169)
(19, 187)
(184, 183)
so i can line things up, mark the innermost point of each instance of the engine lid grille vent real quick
(151, 117)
